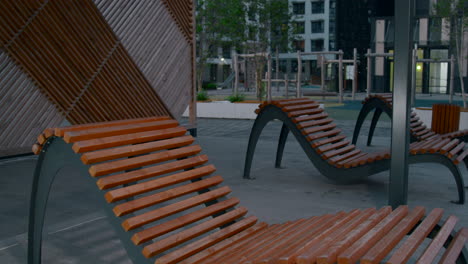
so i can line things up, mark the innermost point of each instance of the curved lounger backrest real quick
(166, 207)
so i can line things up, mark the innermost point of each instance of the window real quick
(298, 8)
(318, 7)
(298, 45)
(299, 28)
(316, 45)
(317, 26)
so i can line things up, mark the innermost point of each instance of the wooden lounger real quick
(382, 103)
(334, 156)
(167, 206)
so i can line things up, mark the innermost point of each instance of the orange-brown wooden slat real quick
(337, 152)
(437, 243)
(169, 242)
(378, 252)
(140, 161)
(311, 242)
(344, 157)
(293, 241)
(330, 255)
(438, 146)
(453, 251)
(148, 186)
(329, 147)
(305, 112)
(159, 213)
(140, 203)
(330, 133)
(449, 146)
(247, 253)
(181, 221)
(322, 142)
(299, 107)
(144, 173)
(403, 254)
(361, 246)
(134, 150)
(461, 156)
(60, 131)
(346, 163)
(115, 141)
(314, 123)
(312, 254)
(315, 129)
(193, 248)
(456, 149)
(238, 238)
(318, 116)
(297, 101)
(74, 136)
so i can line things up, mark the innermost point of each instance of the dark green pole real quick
(404, 15)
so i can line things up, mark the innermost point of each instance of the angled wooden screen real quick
(85, 61)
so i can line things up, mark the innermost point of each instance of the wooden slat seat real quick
(167, 201)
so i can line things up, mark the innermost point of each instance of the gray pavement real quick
(77, 230)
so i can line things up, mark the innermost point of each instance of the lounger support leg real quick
(55, 155)
(375, 119)
(365, 110)
(281, 143)
(259, 124)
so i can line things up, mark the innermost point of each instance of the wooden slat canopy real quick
(90, 61)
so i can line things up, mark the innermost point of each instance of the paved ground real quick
(77, 230)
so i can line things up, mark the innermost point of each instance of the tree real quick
(219, 23)
(454, 11)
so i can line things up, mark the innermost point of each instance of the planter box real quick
(226, 109)
(425, 114)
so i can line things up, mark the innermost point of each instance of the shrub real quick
(209, 86)
(236, 98)
(202, 96)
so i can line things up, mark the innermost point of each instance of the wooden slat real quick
(314, 123)
(330, 255)
(310, 117)
(378, 252)
(336, 152)
(86, 134)
(191, 249)
(157, 214)
(145, 173)
(455, 247)
(140, 203)
(305, 112)
(296, 101)
(134, 150)
(237, 239)
(456, 149)
(60, 131)
(182, 221)
(346, 163)
(330, 133)
(140, 161)
(449, 146)
(438, 146)
(345, 156)
(299, 107)
(115, 141)
(148, 186)
(405, 251)
(329, 147)
(360, 247)
(311, 130)
(322, 142)
(169, 242)
(438, 242)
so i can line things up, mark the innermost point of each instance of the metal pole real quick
(277, 69)
(269, 78)
(322, 73)
(369, 72)
(299, 73)
(452, 71)
(340, 76)
(236, 74)
(413, 76)
(286, 85)
(404, 16)
(354, 73)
